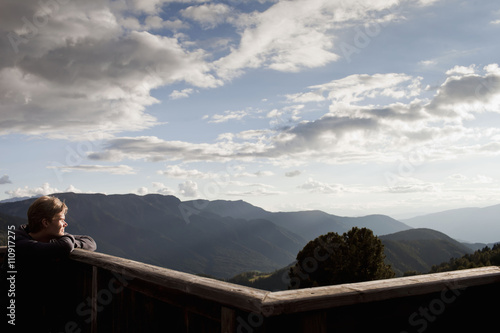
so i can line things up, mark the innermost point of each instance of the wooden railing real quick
(113, 294)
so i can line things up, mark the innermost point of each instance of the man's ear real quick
(45, 223)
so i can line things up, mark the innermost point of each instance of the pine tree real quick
(330, 259)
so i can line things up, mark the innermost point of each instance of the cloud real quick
(208, 15)
(294, 173)
(359, 87)
(466, 92)
(228, 115)
(319, 187)
(408, 184)
(292, 35)
(184, 93)
(73, 68)
(80, 70)
(142, 190)
(188, 189)
(162, 189)
(175, 171)
(112, 169)
(353, 129)
(5, 180)
(262, 191)
(44, 189)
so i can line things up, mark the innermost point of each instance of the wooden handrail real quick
(291, 301)
(112, 286)
(245, 298)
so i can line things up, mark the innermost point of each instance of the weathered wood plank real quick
(93, 318)
(245, 298)
(228, 320)
(301, 300)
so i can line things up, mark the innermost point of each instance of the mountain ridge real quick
(218, 238)
(461, 223)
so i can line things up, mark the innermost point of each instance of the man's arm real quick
(85, 242)
(59, 247)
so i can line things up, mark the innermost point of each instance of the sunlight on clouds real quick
(175, 171)
(227, 115)
(208, 15)
(111, 169)
(44, 189)
(188, 189)
(316, 186)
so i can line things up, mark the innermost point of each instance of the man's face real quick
(56, 227)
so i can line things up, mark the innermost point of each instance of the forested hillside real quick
(480, 258)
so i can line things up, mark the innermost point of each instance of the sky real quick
(350, 107)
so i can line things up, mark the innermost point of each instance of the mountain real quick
(153, 229)
(414, 250)
(473, 225)
(419, 249)
(220, 238)
(308, 224)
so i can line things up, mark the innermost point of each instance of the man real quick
(44, 235)
(42, 281)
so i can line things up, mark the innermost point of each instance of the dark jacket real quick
(28, 249)
(42, 279)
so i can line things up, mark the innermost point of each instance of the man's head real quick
(47, 213)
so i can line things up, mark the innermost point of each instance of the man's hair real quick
(45, 207)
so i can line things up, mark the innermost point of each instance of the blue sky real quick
(350, 107)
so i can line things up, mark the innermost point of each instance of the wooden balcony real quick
(113, 294)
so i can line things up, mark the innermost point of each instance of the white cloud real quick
(162, 189)
(359, 87)
(228, 115)
(175, 171)
(184, 93)
(320, 187)
(44, 189)
(428, 62)
(402, 184)
(142, 190)
(461, 70)
(353, 130)
(482, 179)
(208, 15)
(461, 96)
(457, 177)
(292, 35)
(112, 169)
(259, 190)
(188, 189)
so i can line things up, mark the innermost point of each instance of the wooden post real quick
(228, 320)
(93, 327)
(314, 323)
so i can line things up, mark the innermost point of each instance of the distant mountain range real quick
(472, 225)
(307, 224)
(225, 238)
